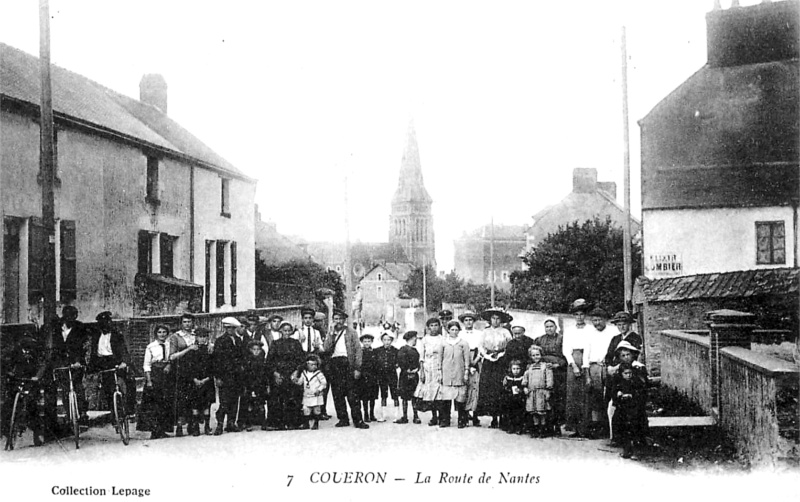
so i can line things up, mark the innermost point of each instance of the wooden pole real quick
(491, 260)
(47, 166)
(424, 286)
(348, 265)
(626, 227)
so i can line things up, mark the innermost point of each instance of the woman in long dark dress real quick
(493, 368)
(156, 411)
(553, 354)
(573, 344)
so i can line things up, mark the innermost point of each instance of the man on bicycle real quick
(24, 362)
(69, 347)
(108, 350)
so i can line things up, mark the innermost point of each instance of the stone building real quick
(473, 254)
(720, 178)
(149, 220)
(411, 221)
(589, 199)
(380, 288)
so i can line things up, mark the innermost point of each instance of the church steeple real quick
(411, 221)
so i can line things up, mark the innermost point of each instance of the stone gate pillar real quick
(729, 328)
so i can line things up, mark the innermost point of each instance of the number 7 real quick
(291, 478)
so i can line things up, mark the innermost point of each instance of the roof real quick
(501, 232)
(274, 248)
(739, 284)
(725, 137)
(86, 102)
(398, 271)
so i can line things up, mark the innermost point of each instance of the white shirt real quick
(340, 349)
(596, 344)
(303, 335)
(574, 339)
(65, 331)
(104, 345)
(187, 337)
(472, 337)
(154, 353)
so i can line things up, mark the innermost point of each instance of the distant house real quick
(275, 248)
(381, 291)
(720, 160)
(473, 254)
(149, 220)
(589, 199)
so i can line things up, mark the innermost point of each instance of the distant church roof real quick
(411, 187)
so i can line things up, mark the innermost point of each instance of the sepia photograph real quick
(354, 250)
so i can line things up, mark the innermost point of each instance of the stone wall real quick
(686, 365)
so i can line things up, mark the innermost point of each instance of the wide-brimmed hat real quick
(307, 310)
(231, 321)
(598, 312)
(487, 314)
(467, 314)
(622, 317)
(624, 344)
(580, 305)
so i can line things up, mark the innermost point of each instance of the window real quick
(770, 243)
(220, 273)
(167, 257)
(226, 198)
(233, 274)
(380, 292)
(505, 276)
(209, 250)
(145, 253)
(151, 195)
(68, 289)
(380, 276)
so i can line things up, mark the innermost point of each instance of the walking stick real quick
(238, 405)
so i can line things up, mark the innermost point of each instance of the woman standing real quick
(429, 390)
(573, 345)
(552, 347)
(473, 338)
(156, 412)
(493, 368)
(455, 361)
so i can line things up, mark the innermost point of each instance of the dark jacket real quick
(285, 356)
(229, 357)
(386, 360)
(73, 350)
(354, 349)
(408, 358)
(119, 348)
(632, 338)
(518, 349)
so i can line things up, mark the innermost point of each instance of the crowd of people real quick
(585, 382)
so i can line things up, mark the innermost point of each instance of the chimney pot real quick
(153, 91)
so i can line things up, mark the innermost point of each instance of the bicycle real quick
(20, 413)
(73, 414)
(121, 423)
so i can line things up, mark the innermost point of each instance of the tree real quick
(451, 289)
(295, 282)
(578, 261)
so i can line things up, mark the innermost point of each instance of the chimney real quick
(755, 34)
(608, 187)
(584, 180)
(153, 91)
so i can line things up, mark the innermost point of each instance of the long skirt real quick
(473, 385)
(490, 388)
(157, 401)
(576, 409)
(558, 396)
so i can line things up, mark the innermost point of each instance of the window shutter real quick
(209, 247)
(167, 257)
(220, 273)
(233, 274)
(145, 253)
(68, 289)
(778, 242)
(36, 249)
(762, 243)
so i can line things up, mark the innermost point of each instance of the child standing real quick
(256, 385)
(386, 363)
(514, 399)
(408, 361)
(538, 382)
(367, 385)
(197, 365)
(629, 395)
(314, 385)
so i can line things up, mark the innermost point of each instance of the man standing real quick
(344, 367)
(596, 346)
(623, 322)
(307, 335)
(229, 358)
(69, 343)
(253, 330)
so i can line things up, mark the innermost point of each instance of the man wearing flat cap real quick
(230, 352)
(253, 329)
(109, 350)
(274, 329)
(445, 316)
(308, 336)
(344, 367)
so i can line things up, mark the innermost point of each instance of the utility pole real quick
(348, 266)
(626, 227)
(491, 259)
(47, 166)
(424, 286)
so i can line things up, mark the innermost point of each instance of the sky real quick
(506, 97)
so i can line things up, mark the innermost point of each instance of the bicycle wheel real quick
(74, 417)
(16, 410)
(121, 418)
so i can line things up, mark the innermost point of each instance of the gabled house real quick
(149, 220)
(380, 288)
